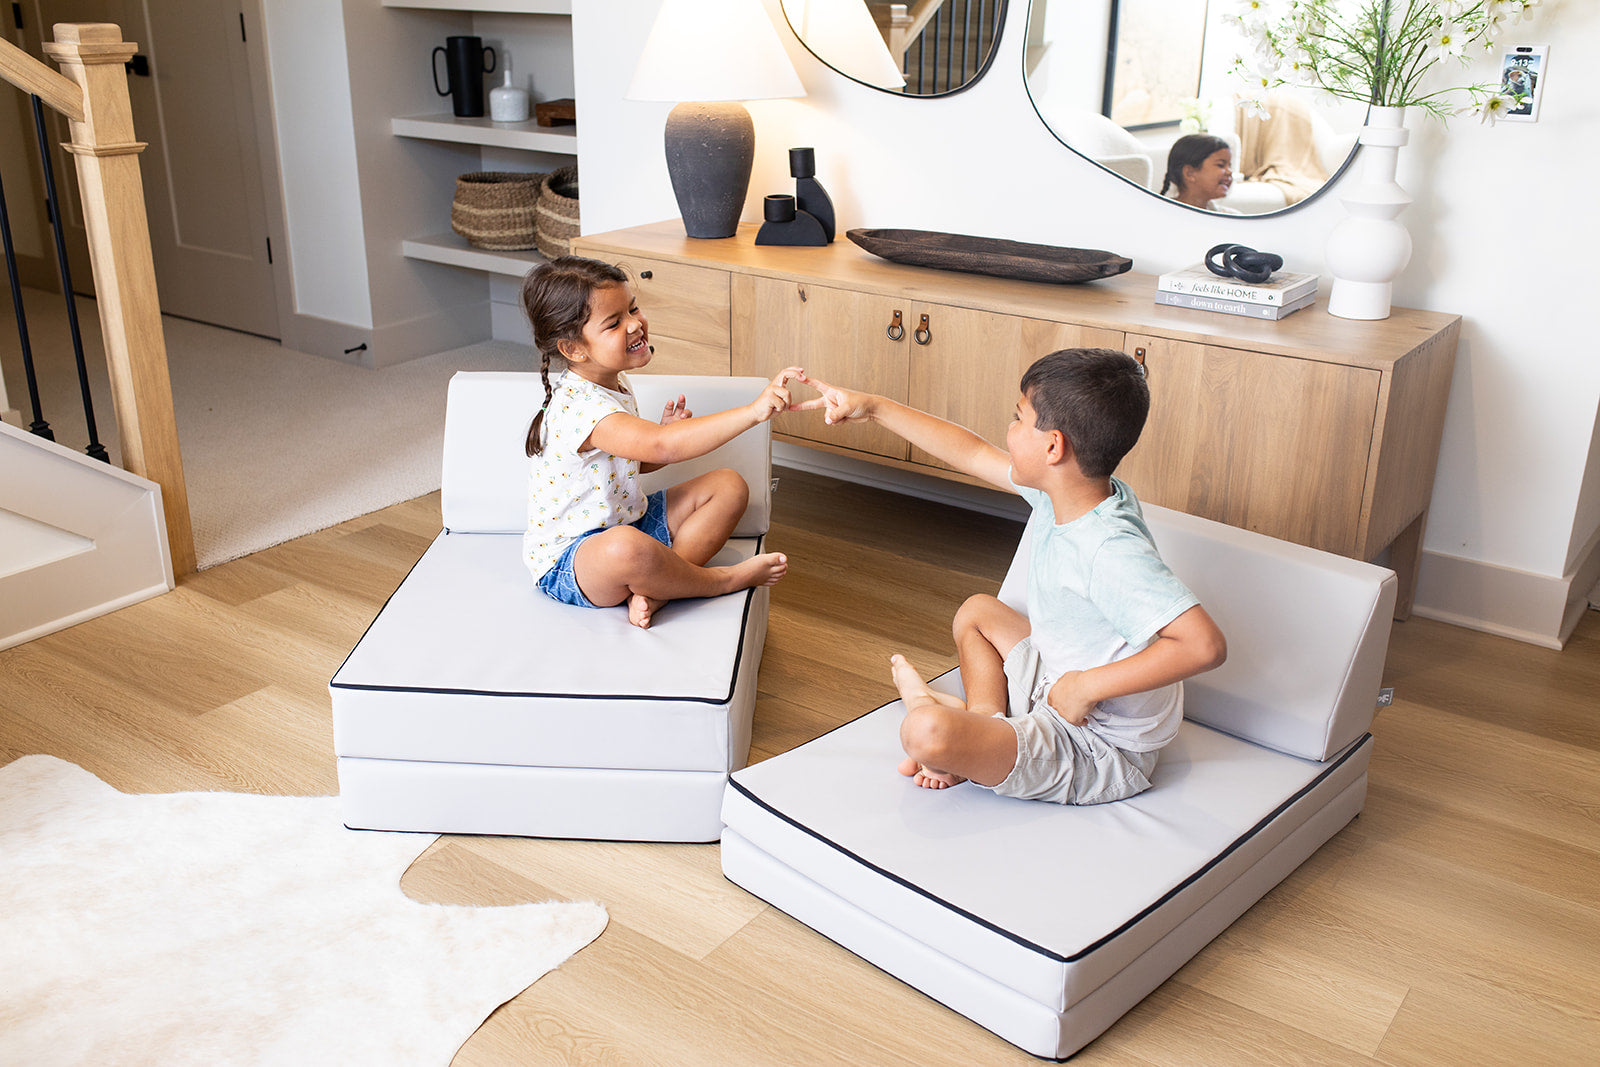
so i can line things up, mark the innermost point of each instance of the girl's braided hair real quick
(556, 297)
(1190, 150)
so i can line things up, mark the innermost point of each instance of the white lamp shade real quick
(842, 34)
(706, 50)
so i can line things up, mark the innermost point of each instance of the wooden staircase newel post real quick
(107, 156)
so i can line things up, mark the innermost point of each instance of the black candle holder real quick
(786, 224)
(810, 196)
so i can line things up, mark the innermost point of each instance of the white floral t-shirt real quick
(572, 492)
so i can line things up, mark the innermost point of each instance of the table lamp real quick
(709, 56)
(842, 34)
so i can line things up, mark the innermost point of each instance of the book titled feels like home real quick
(1282, 289)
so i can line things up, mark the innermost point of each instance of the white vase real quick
(508, 103)
(1369, 249)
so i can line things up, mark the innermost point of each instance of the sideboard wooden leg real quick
(1405, 552)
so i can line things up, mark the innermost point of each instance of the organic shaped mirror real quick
(916, 48)
(1119, 81)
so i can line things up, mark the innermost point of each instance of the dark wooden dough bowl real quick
(991, 255)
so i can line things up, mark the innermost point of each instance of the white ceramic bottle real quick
(507, 103)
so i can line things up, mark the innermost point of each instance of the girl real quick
(1199, 171)
(593, 538)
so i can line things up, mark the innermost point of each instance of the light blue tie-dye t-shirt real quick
(1098, 592)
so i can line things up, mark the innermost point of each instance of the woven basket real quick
(558, 212)
(495, 209)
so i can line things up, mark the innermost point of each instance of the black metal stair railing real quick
(951, 48)
(40, 426)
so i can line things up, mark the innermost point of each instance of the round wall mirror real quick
(916, 48)
(1121, 81)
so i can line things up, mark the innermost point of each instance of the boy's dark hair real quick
(556, 297)
(1097, 397)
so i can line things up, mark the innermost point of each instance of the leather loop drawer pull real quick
(923, 334)
(895, 331)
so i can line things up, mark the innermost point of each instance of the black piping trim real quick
(1113, 935)
(385, 607)
(882, 970)
(733, 681)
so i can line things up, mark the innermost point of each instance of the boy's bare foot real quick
(914, 691)
(642, 609)
(925, 778)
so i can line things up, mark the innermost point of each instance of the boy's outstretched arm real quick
(679, 438)
(950, 442)
(1188, 645)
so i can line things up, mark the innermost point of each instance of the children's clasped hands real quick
(775, 398)
(837, 405)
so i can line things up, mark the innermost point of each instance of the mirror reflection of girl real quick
(594, 539)
(1199, 171)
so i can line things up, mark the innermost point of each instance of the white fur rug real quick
(226, 928)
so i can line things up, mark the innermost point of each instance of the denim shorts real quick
(559, 583)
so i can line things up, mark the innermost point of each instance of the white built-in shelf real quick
(562, 140)
(452, 249)
(518, 7)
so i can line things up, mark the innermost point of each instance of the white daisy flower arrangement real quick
(1388, 53)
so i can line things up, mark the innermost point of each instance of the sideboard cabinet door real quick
(688, 308)
(1266, 442)
(968, 369)
(839, 336)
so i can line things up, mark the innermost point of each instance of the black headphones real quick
(1242, 262)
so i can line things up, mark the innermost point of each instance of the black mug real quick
(465, 65)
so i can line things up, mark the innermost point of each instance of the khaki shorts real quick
(1056, 760)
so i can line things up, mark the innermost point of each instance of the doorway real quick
(205, 186)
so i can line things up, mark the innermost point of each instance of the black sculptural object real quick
(787, 224)
(809, 194)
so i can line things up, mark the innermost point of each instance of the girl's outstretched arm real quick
(679, 439)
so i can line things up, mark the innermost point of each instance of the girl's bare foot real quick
(642, 609)
(765, 569)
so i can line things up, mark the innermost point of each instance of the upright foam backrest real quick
(485, 476)
(1307, 633)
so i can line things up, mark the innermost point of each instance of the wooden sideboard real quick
(1315, 429)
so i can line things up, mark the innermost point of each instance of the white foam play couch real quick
(475, 704)
(1045, 923)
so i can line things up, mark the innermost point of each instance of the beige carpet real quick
(226, 928)
(276, 443)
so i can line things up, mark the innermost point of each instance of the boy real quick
(1091, 675)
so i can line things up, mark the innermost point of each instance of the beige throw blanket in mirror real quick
(1281, 148)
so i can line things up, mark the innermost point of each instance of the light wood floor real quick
(1456, 921)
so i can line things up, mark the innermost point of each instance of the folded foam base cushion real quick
(475, 704)
(1043, 923)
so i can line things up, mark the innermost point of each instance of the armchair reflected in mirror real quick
(921, 48)
(1121, 81)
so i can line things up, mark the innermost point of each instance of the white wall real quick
(1503, 228)
(306, 55)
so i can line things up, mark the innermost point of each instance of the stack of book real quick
(1197, 287)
